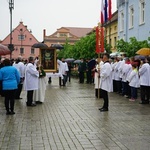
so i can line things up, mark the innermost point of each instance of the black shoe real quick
(8, 113)
(38, 102)
(12, 112)
(104, 109)
(31, 105)
(101, 108)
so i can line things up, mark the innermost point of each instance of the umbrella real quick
(39, 45)
(91, 63)
(69, 59)
(139, 57)
(77, 61)
(144, 51)
(4, 50)
(57, 46)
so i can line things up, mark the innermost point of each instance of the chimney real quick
(44, 34)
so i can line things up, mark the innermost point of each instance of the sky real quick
(50, 15)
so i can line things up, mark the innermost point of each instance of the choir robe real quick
(106, 77)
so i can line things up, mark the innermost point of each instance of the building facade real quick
(63, 34)
(133, 19)
(111, 31)
(23, 40)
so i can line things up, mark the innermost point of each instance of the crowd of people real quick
(18, 74)
(123, 75)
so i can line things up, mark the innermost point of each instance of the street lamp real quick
(11, 46)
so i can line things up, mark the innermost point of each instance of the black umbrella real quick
(39, 45)
(69, 59)
(91, 63)
(57, 46)
(77, 61)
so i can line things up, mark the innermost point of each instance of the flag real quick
(99, 39)
(109, 9)
(105, 11)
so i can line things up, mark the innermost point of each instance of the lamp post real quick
(11, 46)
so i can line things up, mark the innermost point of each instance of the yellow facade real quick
(111, 31)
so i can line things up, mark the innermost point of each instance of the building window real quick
(142, 11)
(115, 41)
(32, 51)
(131, 17)
(121, 21)
(63, 34)
(21, 37)
(21, 51)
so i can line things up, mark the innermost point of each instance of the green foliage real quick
(84, 48)
(131, 47)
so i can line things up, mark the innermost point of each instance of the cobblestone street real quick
(69, 119)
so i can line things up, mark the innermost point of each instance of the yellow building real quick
(111, 31)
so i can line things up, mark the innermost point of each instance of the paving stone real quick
(69, 119)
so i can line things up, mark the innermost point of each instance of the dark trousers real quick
(119, 87)
(98, 93)
(9, 99)
(124, 88)
(105, 97)
(29, 97)
(114, 86)
(81, 77)
(133, 92)
(18, 91)
(64, 80)
(145, 95)
(89, 76)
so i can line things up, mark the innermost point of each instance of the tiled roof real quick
(79, 32)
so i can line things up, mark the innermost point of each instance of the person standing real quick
(10, 79)
(81, 70)
(144, 82)
(134, 82)
(105, 81)
(31, 81)
(19, 65)
(39, 95)
(63, 69)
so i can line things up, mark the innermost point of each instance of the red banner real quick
(99, 40)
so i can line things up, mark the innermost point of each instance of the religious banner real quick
(48, 59)
(99, 39)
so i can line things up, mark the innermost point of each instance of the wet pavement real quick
(69, 119)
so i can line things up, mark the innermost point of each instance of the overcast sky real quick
(50, 15)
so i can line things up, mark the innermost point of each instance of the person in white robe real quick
(19, 65)
(31, 80)
(97, 78)
(144, 82)
(106, 81)
(63, 69)
(39, 94)
(134, 82)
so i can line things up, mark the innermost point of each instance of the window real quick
(63, 34)
(121, 21)
(21, 37)
(142, 11)
(131, 17)
(115, 41)
(21, 50)
(32, 50)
